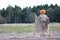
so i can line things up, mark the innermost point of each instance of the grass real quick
(54, 28)
(18, 29)
(23, 29)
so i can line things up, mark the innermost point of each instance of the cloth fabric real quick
(41, 23)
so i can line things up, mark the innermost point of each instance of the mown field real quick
(23, 29)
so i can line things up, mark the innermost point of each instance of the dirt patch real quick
(27, 36)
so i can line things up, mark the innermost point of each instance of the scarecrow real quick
(43, 20)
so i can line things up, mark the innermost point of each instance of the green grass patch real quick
(23, 29)
(54, 28)
(18, 29)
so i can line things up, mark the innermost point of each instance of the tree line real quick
(26, 15)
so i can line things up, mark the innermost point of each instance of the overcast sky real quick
(27, 3)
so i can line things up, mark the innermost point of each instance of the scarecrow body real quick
(42, 22)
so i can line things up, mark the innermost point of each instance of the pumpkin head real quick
(42, 11)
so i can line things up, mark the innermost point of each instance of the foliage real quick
(26, 15)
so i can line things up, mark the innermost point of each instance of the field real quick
(22, 31)
(17, 29)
